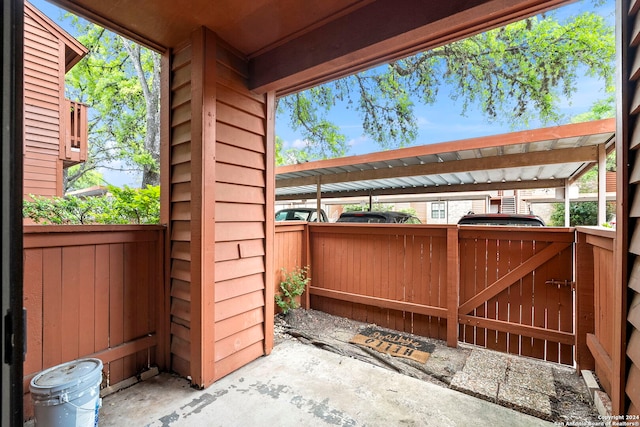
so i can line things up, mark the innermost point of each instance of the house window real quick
(437, 210)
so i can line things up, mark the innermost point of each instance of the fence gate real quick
(516, 291)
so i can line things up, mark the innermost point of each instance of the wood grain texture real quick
(92, 297)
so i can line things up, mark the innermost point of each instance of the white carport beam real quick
(318, 199)
(567, 204)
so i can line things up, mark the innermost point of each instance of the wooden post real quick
(164, 306)
(306, 260)
(270, 228)
(453, 285)
(203, 184)
(585, 323)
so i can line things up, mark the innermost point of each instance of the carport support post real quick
(567, 204)
(602, 184)
(318, 198)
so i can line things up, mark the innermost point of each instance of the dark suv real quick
(378, 218)
(502, 219)
(301, 214)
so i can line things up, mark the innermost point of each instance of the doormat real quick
(394, 344)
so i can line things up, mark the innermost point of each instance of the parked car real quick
(301, 214)
(378, 217)
(502, 219)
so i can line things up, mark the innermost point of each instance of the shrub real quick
(121, 206)
(580, 213)
(292, 285)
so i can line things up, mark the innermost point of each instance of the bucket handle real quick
(98, 406)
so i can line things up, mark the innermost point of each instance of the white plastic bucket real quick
(68, 395)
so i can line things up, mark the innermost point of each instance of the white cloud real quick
(353, 142)
(299, 143)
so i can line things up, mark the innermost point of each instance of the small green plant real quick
(293, 284)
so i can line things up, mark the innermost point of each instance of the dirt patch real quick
(570, 405)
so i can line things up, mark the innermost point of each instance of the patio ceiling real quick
(295, 44)
(541, 158)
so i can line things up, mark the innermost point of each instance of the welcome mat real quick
(394, 344)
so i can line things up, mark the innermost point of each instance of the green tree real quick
(365, 207)
(580, 213)
(601, 109)
(514, 74)
(120, 81)
(89, 178)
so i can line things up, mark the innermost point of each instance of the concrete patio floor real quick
(299, 385)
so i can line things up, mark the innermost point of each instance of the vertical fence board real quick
(396, 291)
(487, 309)
(585, 301)
(419, 288)
(528, 298)
(439, 280)
(116, 304)
(361, 279)
(86, 306)
(384, 278)
(71, 290)
(52, 306)
(452, 283)
(467, 279)
(347, 277)
(520, 293)
(33, 294)
(539, 312)
(509, 258)
(101, 302)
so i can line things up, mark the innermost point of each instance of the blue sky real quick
(437, 123)
(443, 121)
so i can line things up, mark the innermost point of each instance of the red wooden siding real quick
(240, 183)
(625, 296)
(218, 202)
(180, 211)
(43, 94)
(93, 291)
(55, 129)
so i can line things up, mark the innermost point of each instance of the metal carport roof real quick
(542, 158)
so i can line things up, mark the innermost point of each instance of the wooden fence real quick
(596, 328)
(509, 290)
(394, 276)
(516, 291)
(93, 291)
(291, 250)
